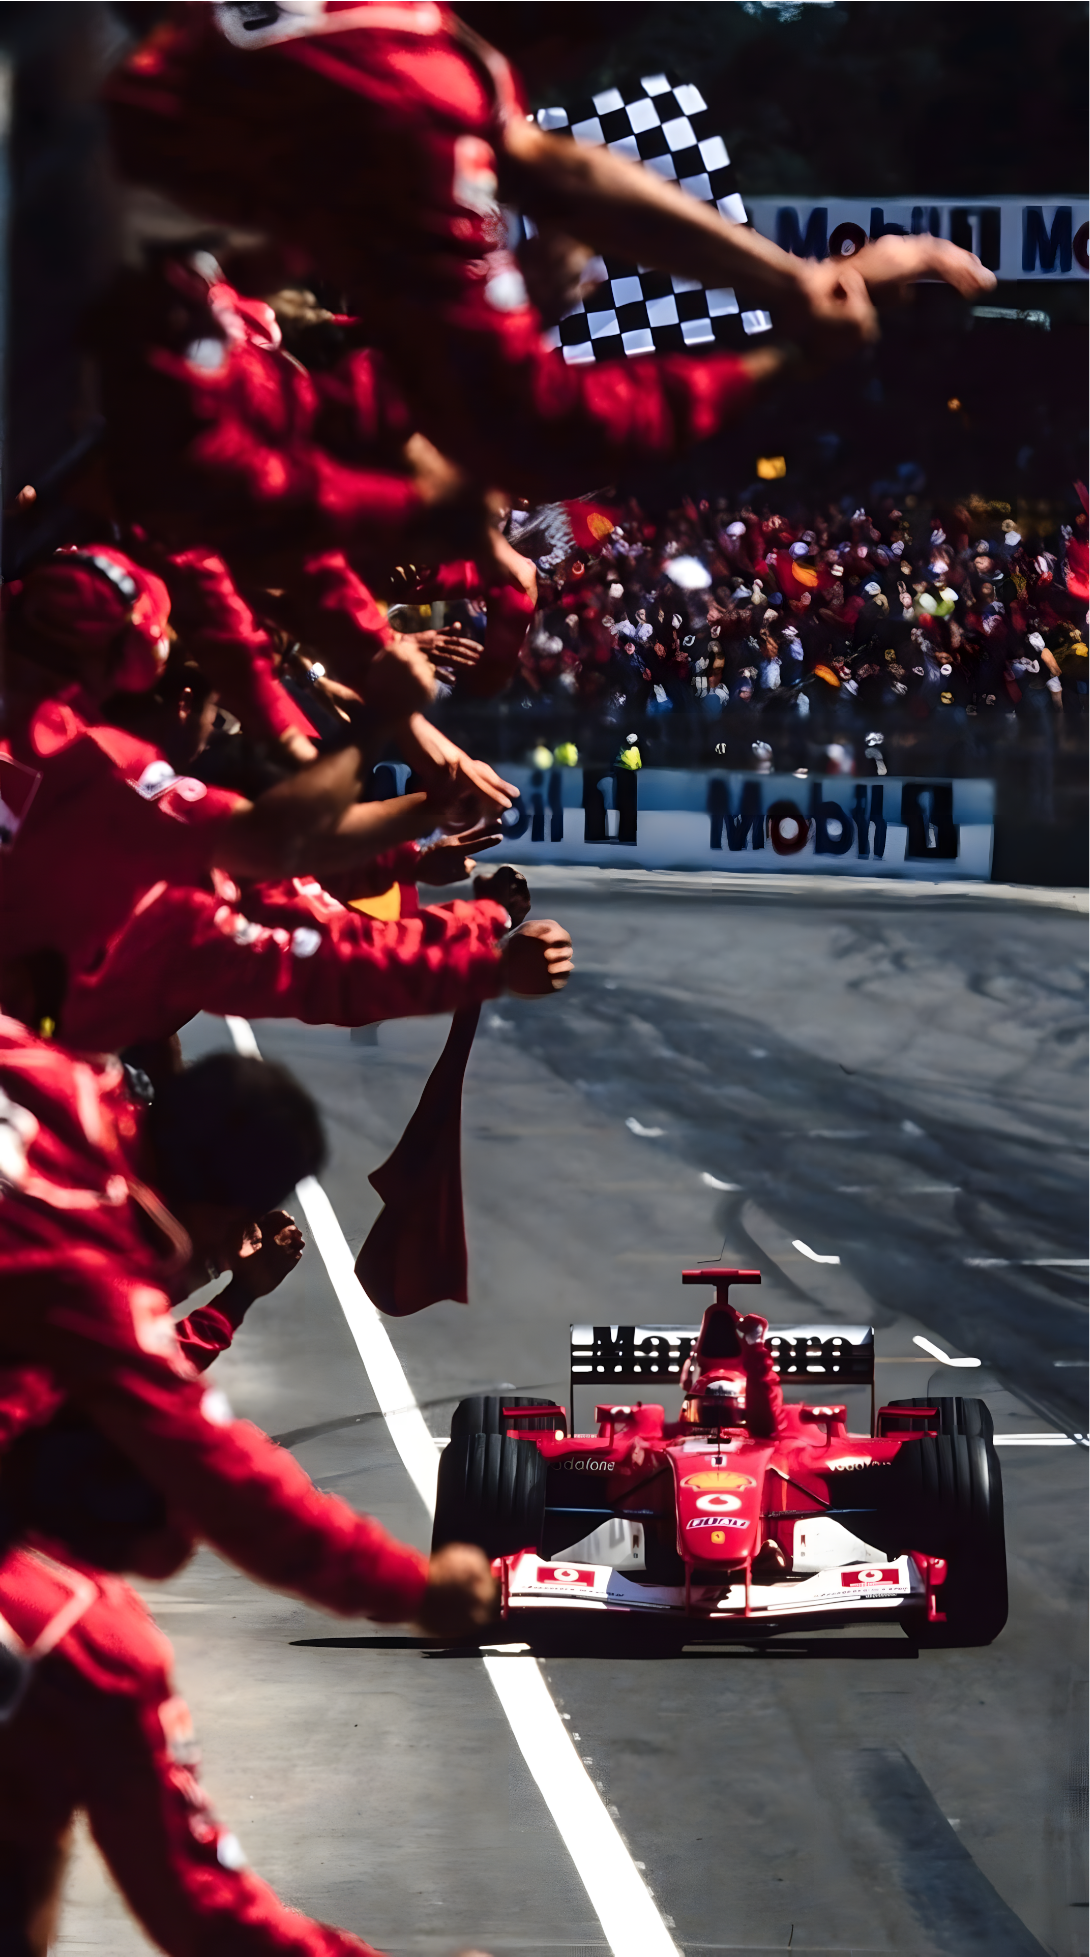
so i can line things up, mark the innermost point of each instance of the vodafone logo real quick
(718, 1478)
(868, 1579)
(717, 1504)
(718, 1522)
(565, 1573)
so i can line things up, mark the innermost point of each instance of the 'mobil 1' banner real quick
(1016, 237)
(677, 819)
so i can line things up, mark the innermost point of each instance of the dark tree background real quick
(877, 96)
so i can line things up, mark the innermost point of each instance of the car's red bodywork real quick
(699, 1517)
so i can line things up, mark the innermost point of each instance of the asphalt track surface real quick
(897, 1082)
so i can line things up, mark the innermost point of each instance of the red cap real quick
(84, 598)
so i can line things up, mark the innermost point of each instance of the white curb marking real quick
(937, 1352)
(813, 1255)
(619, 1896)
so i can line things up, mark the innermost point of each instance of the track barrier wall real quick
(679, 819)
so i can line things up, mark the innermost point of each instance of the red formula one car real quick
(748, 1511)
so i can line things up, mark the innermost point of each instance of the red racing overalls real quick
(85, 1324)
(365, 140)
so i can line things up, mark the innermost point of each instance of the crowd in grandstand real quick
(717, 608)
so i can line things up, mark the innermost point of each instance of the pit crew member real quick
(93, 1259)
(374, 148)
(156, 935)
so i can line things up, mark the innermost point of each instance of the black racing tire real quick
(944, 1496)
(483, 1413)
(955, 1416)
(491, 1492)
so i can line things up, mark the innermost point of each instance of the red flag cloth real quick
(416, 1251)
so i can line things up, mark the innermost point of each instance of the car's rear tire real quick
(956, 1415)
(945, 1497)
(483, 1413)
(491, 1492)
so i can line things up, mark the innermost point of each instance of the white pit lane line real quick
(618, 1894)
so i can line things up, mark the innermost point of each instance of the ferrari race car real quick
(746, 1513)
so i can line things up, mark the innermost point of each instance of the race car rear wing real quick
(654, 1355)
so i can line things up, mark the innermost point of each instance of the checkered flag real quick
(664, 126)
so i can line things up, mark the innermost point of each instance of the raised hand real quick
(270, 1250)
(462, 1595)
(450, 646)
(464, 789)
(506, 886)
(890, 266)
(537, 960)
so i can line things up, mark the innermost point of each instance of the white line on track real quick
(619, 1897)
(814, 1255)
(1039, 1440)
(391, 1389)
(937, 1352)
(632, 1924)
(1040, 1263)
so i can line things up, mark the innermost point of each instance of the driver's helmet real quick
(717, 1402)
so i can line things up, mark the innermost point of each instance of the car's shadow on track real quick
(585, 1643)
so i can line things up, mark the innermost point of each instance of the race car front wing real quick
(531, 1583)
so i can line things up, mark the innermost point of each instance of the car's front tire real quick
(944, 1496)
(491, 1491)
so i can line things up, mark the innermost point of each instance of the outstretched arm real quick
(108, 1342)
(616, 205)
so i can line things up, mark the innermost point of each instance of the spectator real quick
(837, 611)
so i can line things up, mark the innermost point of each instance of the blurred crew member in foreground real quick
(241, 472)
(117, 1456)
(374, 145)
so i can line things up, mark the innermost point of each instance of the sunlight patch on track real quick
(618, 1894)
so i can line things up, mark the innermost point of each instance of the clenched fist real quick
(537, 959)
(462, 1595)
